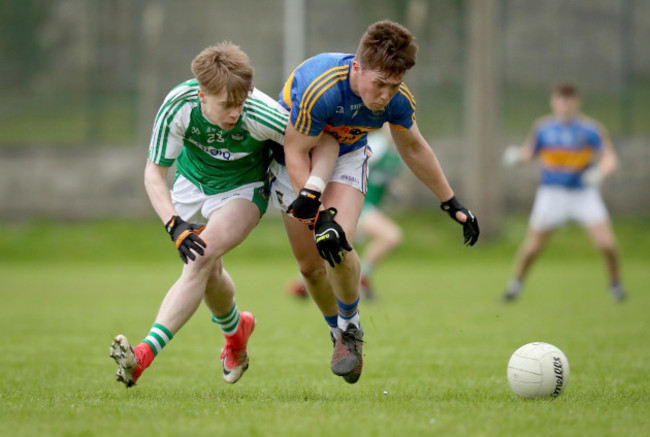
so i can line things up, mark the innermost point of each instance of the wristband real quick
(316, 182)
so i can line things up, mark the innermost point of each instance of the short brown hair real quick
(224, 66)
(387, 46)
(566, 90)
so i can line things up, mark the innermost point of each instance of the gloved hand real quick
(592, 177)
(511, 156)
(330, 238)
(470, 226)
(186, 238)
(305, 208)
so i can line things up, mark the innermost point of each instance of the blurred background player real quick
(576, 154)
(383, 233)
(215, 128)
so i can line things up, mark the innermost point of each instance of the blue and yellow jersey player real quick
(325, 102)
(347, 96)
(576, 154)
(566, 149)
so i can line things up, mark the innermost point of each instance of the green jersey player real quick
(215, 128)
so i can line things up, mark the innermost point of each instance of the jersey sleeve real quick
(265, 118)
(402, 110)
(599, 137)
(168, 132)
(314, 100)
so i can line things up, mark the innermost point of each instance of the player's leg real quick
(532, 246)
(384, 236)
(347, 359)
(312, 270)
(550, 210)
(526, 255)
(345, 276)
(232, 223)
(178, 305)
(603, 238)
(301, 239)
(236, 326)
(320, 281)
(591, 212)
(227, 227)
(184, 297)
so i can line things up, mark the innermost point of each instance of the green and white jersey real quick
(384, 164)
(216, 160)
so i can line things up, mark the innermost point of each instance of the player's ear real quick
(201, 95)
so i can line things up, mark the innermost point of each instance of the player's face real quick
(217, 109)
(375, 88)
(564, 108)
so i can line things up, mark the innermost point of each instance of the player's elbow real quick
(154, 174)
(412, 151)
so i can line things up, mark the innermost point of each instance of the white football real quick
(538, 370)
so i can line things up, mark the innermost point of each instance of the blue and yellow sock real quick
(348, 313)
(332, 322)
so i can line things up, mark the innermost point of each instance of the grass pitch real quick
(437, 342)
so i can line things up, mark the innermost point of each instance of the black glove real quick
(305, 208)
(470, 227)
(186, 237)
(330, 237)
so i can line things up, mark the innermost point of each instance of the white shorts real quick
(556, 205)
(195, 207)
(351, 169)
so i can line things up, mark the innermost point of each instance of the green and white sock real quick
(158, 338)
(228, 322)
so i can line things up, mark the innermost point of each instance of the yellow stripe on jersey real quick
(566, 159)
(325, 88)
(323, 82)
(286, 91)
(397, 127)
(403, 90)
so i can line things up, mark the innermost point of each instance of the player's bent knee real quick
(206, 263)
(607, 247)
(312, 270)
(395, 237)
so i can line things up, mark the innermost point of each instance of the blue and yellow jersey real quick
(319, 96)
(566, 149)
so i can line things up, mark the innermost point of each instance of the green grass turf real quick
(437, 342)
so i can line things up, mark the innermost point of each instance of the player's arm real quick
(422, 161)
(515, 155)
(310, 161)
(323, 157)
(155, 184)
(317, 153)
(527, 153)
(424, 164)
(308, 156)
(184, 235)
(608, 162)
